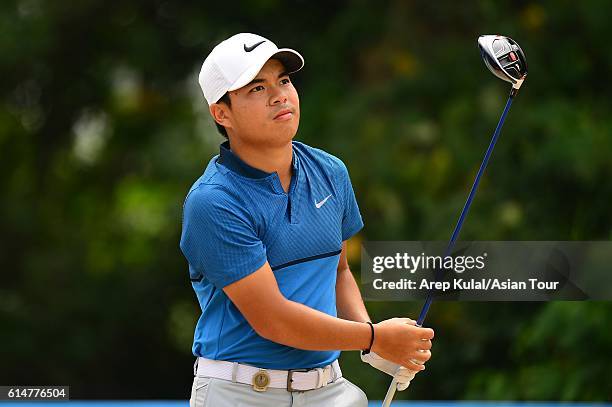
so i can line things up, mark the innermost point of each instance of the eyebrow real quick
(259, 80)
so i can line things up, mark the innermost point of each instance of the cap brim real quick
(291, 60)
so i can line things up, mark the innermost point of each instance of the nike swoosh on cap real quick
(252, 47)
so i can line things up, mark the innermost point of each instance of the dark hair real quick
(224, 99)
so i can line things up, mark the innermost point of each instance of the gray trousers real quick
(212, 392)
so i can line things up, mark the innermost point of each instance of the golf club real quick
(503, 56)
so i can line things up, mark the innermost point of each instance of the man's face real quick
(266, 112)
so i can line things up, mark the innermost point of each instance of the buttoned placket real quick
(292, 194)
(227, 157)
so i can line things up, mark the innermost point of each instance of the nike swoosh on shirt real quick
(252, 47)
(320, 204)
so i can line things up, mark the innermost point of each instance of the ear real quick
(221, 114)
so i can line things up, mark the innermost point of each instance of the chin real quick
(281, 138)
(281, 135)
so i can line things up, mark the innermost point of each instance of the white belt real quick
(261, 379)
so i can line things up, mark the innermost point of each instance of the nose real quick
(278, 96)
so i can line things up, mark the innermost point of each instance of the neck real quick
(269, 159)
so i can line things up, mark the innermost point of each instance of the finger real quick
(410, 364)
(427, 333)
(402, 386)
(425, 344)
(404, 375)
(402, 379)
(422, 356)
(406, 320)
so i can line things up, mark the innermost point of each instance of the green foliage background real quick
(103, 128)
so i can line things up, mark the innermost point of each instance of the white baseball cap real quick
(234, 63)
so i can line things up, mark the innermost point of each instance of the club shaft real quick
(467, 205)
(390, 393)
(457, 230)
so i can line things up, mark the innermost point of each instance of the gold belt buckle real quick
(261, 380)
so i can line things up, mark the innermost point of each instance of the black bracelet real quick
(365, 352)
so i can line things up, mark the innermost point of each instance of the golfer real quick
(264, 233)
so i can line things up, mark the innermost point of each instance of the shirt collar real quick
(230, 160)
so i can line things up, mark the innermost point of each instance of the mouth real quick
(284, 114)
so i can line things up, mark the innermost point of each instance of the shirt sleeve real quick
(218, 238)
(351, 220)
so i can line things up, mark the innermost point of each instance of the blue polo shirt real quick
(236, 217)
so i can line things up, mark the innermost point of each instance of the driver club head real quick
(504, 57)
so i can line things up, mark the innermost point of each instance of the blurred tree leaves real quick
(103, 129)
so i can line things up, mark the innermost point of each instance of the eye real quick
(257, 88)
(285, 81)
